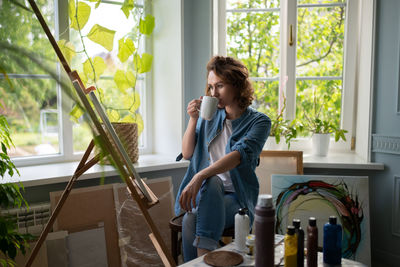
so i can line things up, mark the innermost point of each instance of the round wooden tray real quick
(223, 258)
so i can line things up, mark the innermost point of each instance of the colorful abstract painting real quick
(347, 198)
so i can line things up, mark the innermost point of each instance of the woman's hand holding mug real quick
(205, 106)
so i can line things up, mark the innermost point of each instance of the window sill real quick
(62, 172)
(340, 160)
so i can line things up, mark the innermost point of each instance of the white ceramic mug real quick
(208, 107)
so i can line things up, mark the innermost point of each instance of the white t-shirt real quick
(217, 151)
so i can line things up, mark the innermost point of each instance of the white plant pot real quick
(320, 144)
(272, 145)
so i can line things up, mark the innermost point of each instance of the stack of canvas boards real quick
(103, 226)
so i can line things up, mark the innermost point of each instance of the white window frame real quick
(66, 152)
(288, 15)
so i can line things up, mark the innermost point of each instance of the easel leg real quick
(160, 251)
(82, 167)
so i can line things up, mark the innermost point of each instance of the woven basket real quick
(128, 134)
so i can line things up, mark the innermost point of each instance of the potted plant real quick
(11, 241)
(281, 127)
(118, 95)
(321, 126)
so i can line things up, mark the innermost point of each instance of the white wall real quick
(167, 77)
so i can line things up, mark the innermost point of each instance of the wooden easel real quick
(144, 197)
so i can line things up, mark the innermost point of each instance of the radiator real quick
(32, 220)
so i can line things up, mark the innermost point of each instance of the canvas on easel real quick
(112, 147)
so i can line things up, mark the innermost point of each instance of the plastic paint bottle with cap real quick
(312, 243)
(264, 221)
(300, 242)
(242, 229)
(290, 255)
(332, 247)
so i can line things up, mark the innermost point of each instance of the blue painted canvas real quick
(346, 197)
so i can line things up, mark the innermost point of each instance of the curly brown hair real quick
(234, 73)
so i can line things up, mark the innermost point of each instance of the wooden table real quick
(199, 262)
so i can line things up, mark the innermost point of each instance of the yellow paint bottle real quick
(290, 256)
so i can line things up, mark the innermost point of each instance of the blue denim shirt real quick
(249, 133)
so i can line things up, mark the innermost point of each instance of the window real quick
(297, 53)
(30, 100)
(41, 130)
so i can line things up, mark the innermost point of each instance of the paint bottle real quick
(290, 256)
(300, 242)
(312, 243)
(264, 223)
(242, 229)
(332, 247)
(250, 245)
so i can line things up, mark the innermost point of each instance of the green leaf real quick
(128, 118)
(84, 79)
(125, 49)
(76, 113)
(132, 102)
(12, 251)
(124, 80)
(97, 2)
(102, 36)
(145, 63)
(139, 122)
(113, 115)
(127, 7)
(146, 26)
(78, 20)
(68, 49)
(135, 118)
(99, 66)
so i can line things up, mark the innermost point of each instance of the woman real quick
(223, 155)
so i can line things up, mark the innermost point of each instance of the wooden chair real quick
(175, 225)
(277, 162)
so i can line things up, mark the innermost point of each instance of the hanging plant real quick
(120, 101)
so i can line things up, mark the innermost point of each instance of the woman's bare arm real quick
(188, 141)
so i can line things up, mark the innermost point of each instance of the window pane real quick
(323, 97)
(29, 98)
(246, 4)
(320, 41)
(20, 28)
(82, 135)
(254, 39)
(266, 97)
(301, 2)
(31, 110)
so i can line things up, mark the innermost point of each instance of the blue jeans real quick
(215, 210)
